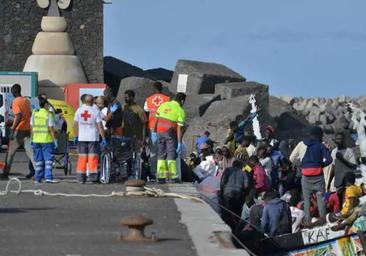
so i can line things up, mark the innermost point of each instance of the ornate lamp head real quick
(53, 6)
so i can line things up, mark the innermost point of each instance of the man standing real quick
(168, 132)
(87, 128)
(44, 141)
(152, 103)
(314, 156)
(20, 130)
(134, 120)
(344, 161)
(134, 127)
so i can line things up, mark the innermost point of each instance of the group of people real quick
(258, 185)
(35, 131)
(154, 130)
(269, 187)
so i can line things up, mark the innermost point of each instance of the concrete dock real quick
(57, 225)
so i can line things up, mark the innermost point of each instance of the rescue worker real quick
(20, 129)
(168, 130)
(44, 141)
(152, 103)
(87, 128)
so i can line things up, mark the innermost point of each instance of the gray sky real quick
(298, 47)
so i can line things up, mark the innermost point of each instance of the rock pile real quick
(331, 114)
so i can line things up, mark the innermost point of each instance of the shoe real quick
(176, 181)
(161, 181)
(29, 176)
(82, 182)
(319, 222)
(37, 182)
(4, 176)
(52, 181)
(152, 178)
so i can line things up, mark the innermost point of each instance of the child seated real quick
(350, 205)
(351, 195)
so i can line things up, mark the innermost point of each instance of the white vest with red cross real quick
(152, 104)
(87, 118)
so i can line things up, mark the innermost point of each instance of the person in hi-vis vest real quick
(152, 103)
(168, 133)
(44, 142)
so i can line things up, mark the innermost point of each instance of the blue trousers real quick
(43, 154)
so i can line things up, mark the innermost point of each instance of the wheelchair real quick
(119, 162)
(62, 157)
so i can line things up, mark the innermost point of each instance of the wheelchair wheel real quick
(68, 168)
(106, 165)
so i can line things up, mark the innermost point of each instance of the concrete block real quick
(231, 90)
(203, 76)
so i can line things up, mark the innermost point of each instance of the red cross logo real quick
(85, 115)
(157, 101)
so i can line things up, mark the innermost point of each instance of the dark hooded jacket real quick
(276, 218)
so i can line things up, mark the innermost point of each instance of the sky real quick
(298, 47)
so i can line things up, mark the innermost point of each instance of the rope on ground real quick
(147, 191)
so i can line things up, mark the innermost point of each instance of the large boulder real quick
(288, 123)
(222, 112)
(115, 70)
(159, 74)
(203, 76)
(278, 106)
(196, 105)
(291, 126)
(232, 90)
(143, 87)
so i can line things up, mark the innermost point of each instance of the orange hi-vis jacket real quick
(152, 103)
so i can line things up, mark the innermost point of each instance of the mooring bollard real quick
(136, 225)
(135, 185)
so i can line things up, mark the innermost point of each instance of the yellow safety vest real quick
(170, 114)
(40, 131)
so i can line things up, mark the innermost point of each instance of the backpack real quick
(285, 221)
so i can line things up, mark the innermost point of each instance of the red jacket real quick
(260, 178)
